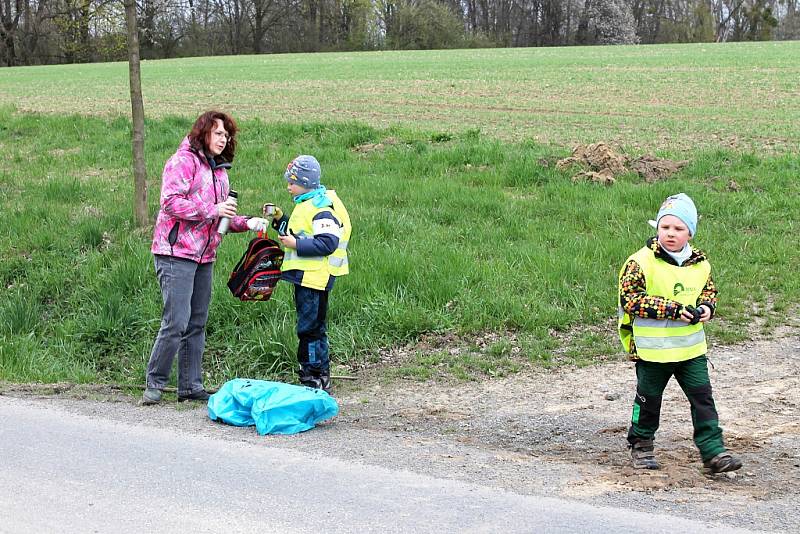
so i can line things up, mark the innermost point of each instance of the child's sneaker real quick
(722, 463)
(642, 455)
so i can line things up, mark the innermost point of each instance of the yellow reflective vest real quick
(317, 269)
(665, 340)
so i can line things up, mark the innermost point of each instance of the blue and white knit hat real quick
(304, 171)
(682, 207)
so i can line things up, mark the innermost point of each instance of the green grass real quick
(459, 226)
(466, 235)
(664, 97)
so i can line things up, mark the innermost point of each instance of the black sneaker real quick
(642, 455)
(722, 463)
(201, 395)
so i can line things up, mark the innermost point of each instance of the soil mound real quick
(596, 157)
(653, 169)
(602, 164)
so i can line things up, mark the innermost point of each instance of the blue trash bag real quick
(233, 402)
(273, 407)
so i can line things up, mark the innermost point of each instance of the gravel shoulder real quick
(558, 432)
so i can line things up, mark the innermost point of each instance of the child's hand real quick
(271, 211)
(288, 241)
(686, 315)
(692, 315)
(706, 315)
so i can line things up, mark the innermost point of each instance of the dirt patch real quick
(61, 152)
(499, 350)
(605, 177)
(367, 148)
(603, 164)
(92, 211)
(579, 417)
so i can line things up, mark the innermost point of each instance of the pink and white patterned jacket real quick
(186, 226)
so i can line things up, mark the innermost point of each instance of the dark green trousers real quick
(692, 376)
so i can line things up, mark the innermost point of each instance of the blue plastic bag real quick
(273, 407)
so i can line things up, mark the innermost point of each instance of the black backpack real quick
(258, 272)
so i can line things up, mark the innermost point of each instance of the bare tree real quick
(9, 22)
(263, 17)
(233, 17)
(137, 114)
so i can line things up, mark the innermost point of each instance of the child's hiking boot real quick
(309, 380)
(150, 396)
(642, 455)
(312, 383)
(316, 380)
(325, 382)
(722, 463)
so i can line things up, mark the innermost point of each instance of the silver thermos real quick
(224, 222)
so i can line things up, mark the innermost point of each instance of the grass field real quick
(457, 230)
(666, 97)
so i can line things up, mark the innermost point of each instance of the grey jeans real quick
(186, 292)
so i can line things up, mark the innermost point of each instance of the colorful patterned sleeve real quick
(709, 295)
(635, 301)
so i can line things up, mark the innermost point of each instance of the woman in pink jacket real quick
(194, 196)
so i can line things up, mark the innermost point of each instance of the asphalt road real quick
(63, 472)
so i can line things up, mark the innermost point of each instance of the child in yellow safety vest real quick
(315, 238)
(666, 293)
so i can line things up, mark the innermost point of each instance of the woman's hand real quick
(288, 241)
(706, 313)
(227, 208)
(257, 224)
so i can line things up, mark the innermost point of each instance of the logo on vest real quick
(680, 288)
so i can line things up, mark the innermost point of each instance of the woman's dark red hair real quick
(205, 124)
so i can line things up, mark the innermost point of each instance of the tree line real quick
(73, 31)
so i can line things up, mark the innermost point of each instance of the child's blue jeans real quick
(312, 349)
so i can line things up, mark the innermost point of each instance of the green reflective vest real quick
(665, 340)
(317, 269)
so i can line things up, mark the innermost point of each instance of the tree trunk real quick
(258, 25)
(137, 113)
(9, 23)
(582, 34)
(657, 28)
